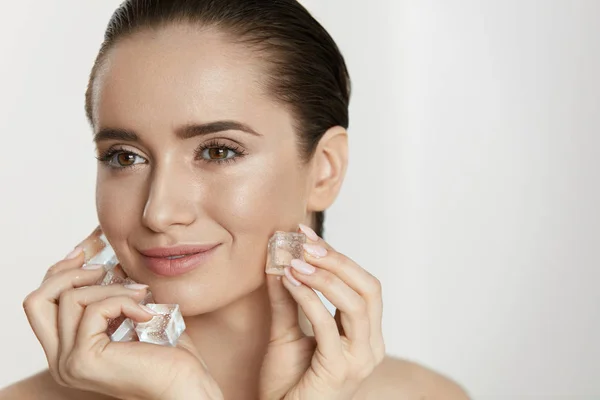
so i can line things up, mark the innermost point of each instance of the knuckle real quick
(374, 286)
(358, 306)
(74, 367)
(50, 272)
(53, 270)
(30, 301)
(328, 278)
(95, 308)
(309, 299)
(337, 260)
(124, 299)
(105, 305)
(67, 297)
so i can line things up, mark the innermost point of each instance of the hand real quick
(69, 316)
(345, 349)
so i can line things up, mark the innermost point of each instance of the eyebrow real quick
(185, 132)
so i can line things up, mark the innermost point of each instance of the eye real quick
(218, 153)
(125, 159)
(121, 159)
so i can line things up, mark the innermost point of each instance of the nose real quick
(170, 200)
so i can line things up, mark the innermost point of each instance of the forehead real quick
(180, 74)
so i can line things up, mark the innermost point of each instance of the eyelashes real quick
(215, 152)
(108, 157)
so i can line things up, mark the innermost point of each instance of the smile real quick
(175, 261)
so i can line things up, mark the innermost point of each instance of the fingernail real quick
(73, 254)
(315, 250)
(136, 286)
(302, 267)
(312, 235)
(289, 276)
(148, 310)
(92, 266)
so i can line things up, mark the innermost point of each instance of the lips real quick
(173, 261)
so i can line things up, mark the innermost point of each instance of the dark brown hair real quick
(306, 69)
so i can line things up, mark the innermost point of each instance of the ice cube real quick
(163, 329)
(97, 250)
(148, 298)
(122, 329)
(106, 257)
(110, 278)
(283, 247)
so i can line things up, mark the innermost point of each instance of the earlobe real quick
(330, 163)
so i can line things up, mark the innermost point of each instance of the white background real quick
(472, 191)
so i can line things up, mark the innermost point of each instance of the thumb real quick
(284, 312)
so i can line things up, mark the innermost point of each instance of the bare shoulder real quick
(399, 379)
(43, 386)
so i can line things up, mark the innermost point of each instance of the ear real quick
(330, 161)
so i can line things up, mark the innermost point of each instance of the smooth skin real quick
(173, 183)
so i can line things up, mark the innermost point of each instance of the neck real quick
(233, 341)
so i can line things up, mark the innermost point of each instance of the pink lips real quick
(187, 258)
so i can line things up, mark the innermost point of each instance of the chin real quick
(201, 293)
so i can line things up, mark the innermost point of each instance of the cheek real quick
(261, 200)
(118, 204)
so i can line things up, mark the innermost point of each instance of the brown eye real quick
(122, 159)
(125, 159)
(217, 153)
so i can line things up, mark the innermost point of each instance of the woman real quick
(218, 123)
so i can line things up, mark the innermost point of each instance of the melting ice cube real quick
(163, 329)
(283, 247)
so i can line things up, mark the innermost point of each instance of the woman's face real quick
(176, 104)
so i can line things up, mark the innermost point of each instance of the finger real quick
(354, 317)
(73, 260)
(338, 321)
(69, 279)
(309, 232)
(88, 247)
(320, 254)
(326, 333)
(94, 322)
(284, 312)
(41, 306)
(93, 244)
(73, 302)
(347, 270)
